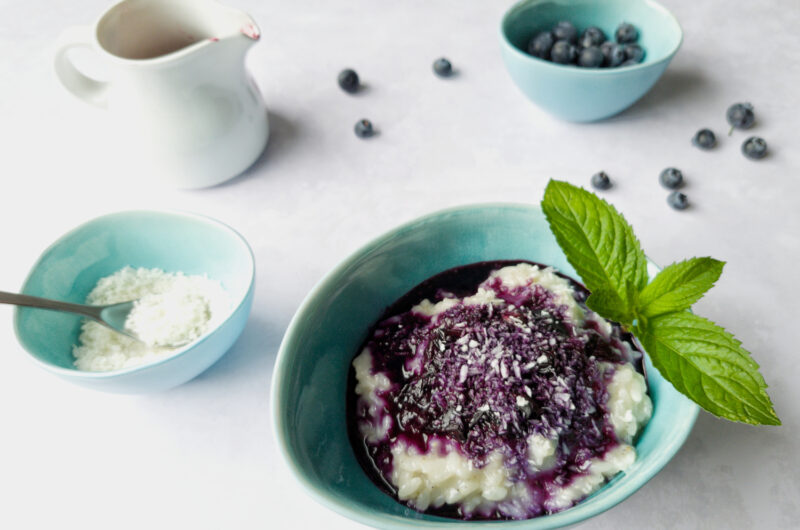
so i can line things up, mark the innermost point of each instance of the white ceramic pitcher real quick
(185, 110)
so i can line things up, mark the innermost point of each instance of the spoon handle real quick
(46, 303)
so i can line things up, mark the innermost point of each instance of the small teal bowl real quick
(170, 241)
(587, 94)
(310, 378)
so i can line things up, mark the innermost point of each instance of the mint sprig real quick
(699, 358)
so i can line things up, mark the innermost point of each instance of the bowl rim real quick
(575, 514)
(584, 70)
(110, 374)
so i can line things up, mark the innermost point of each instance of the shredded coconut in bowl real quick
(172, 308)
(175, 317)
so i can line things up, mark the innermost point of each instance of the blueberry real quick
(565, 31)
(613, 54)
(563, 53)
(740, 116)
(626, 33)
(601, 181)
(634, 52)
(671, 178)
(541, 44)
(677, 200)
(754, 148)
(364, 128)
(442, 67)
(348, 80)
(590, 57)
(592, 36)
(704, 139)
(629, 62)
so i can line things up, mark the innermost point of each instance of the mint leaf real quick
(598, 243)
(679, 285)
(607, 303)
(708, 365)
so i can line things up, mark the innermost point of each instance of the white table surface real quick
(202, 455)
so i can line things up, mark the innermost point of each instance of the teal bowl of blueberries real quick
(587, 60)
(313, 374)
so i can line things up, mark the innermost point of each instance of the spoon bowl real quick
(114, 316)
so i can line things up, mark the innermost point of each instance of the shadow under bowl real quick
(311, 373)
(171, 241)
(578, 94)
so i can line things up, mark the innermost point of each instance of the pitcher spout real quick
(231, 23)
(251, 31)
(221, 23)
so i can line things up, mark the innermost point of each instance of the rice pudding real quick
(491, 391)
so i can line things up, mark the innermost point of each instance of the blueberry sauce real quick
(486, 377)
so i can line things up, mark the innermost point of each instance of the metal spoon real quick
(112, 316)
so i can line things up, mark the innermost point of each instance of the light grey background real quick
(202, 455)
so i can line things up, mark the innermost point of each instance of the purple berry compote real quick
(490, 391)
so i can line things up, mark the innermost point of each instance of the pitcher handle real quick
(88, 89)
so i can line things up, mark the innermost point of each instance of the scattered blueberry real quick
(677, 200)
(634, 52)
(364, 128)
(704, 139)
(565, 30)
(754, 148)
(671, 178)
(442, 67)
(590, 57)
(613, 54)
(541, 44)
(563, 53)
(626, 33)
(348, 80)
(601, 181)
(740, 116)
(592, 36)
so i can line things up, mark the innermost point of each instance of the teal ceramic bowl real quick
(587, 94)
(310, 377)
(170, 241)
